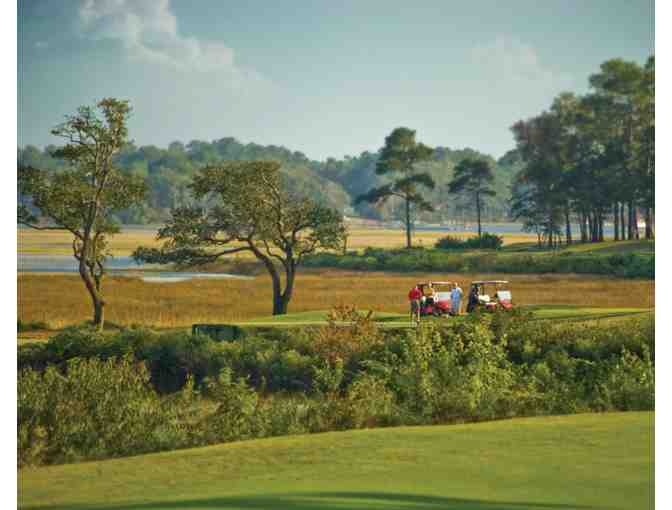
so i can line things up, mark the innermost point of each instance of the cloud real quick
(510, 59)
(148, 31)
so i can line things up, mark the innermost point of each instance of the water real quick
(118, 266)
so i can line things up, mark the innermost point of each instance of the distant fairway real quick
(396, 320)
(568, 462)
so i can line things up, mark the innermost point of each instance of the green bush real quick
(98, 409)
(23, 326)
(487, 241)
(631, 265)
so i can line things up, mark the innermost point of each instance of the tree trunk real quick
(408, 223)
(96, 298)
(98, 314)
(582, 225)
(478, 216)
(648, 232)
(591, 227)
(616, 227)
(600, 227)
(568, 227)
(621, 208)
(631, 231)
(635, 222)
(286, 296)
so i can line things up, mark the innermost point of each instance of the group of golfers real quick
(419, 295)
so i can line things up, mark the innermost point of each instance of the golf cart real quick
(440, 304)
(489, 295)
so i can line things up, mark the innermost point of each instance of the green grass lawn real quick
(395, 320)
(569, 462)
(642, 246)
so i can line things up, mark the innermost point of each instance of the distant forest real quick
(336, 181)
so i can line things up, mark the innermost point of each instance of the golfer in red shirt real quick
(414, 297)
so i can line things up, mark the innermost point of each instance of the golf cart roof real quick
(481, 282)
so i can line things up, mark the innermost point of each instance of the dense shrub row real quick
(486, 241)
(103, 401)
(630, 265)
(23, 326)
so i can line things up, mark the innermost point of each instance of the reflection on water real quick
(118, 266)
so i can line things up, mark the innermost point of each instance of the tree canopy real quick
(474, 178)
(83, 197)
(246, 206)
(399, 156)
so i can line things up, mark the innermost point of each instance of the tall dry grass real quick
(59, 242)
(60, 300)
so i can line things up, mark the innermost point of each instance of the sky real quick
(325, 78)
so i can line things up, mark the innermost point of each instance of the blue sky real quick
(325, 78)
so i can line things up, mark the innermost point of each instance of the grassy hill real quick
(569, 462)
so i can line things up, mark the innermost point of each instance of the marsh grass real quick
(60, 300)
(59, 242)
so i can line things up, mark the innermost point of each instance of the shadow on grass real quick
(328, 501)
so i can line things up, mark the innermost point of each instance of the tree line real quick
(590, 159)
(334, 181)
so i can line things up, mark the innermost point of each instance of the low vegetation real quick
(487, 241)
(85, 395)
(629, 265)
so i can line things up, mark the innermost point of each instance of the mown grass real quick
(60, 300)
(568, 462)
(396, 320)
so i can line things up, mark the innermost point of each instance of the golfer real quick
(456, 299)
(414, 297)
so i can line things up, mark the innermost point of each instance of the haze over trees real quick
(83, 196)
(591, 158)
(335, 182)
(246, 206)
(399, 157)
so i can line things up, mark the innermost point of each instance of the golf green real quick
(544, 463)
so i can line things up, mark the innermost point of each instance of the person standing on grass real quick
(456, 299)
(414, 297)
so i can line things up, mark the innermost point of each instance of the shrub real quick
(98, 409)
(628, 384)
(348, 374)
(486, 241)
(233, 418)
(23, 326)
(450, 243)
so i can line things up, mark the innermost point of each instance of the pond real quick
(118, 266)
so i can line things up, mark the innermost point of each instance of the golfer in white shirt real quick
(455, 299)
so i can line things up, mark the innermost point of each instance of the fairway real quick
(396, 320)
(568, 462)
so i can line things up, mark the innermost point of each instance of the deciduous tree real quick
(245, 206)
(83, 197)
